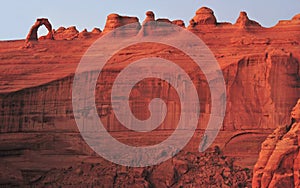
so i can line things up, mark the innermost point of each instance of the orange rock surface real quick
(279, 160)
(32, 35)
(114, 21)
(260, 67)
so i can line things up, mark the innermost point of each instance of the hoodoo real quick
(204, 16)
(243, 21)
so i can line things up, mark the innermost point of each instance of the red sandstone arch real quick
(33, 36)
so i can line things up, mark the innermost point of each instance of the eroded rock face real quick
(32, 35)
(257, 67)
(180, 23)
(159, 26)
(294, 21)
(279, 161)
(255, 85)
(96, 31)
(244, 22)
(86, 34)
(165, 20)
(185, 170)
(114, 21)
(260, 68)
(69, 33)
(204, 16)
(149, 17)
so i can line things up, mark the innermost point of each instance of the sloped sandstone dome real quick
(205, 15)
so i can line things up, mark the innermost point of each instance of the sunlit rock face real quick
(204, 16)
(114, 21)
(32, 35)
(260, 68)
(279, 160)
(244, 22)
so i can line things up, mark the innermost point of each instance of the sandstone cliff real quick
(260, 66)
(279, 160)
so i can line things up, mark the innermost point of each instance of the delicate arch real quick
(32, 35)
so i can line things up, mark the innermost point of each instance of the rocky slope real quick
(260, 66)
(185, 170)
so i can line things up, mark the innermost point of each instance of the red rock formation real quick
(294, 21)
(180, 23)
(96, 31)
(32, 35)
(279, 160)
(151, 26)
(260, 67)
(185, 170)
(114, 21)
(256, 67)
(149, 17)
(244, 22)
(86, 34)
(264, 78)
(66, 34)
(204, 16)
(165, 20)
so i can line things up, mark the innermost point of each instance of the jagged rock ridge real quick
(260, 67)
